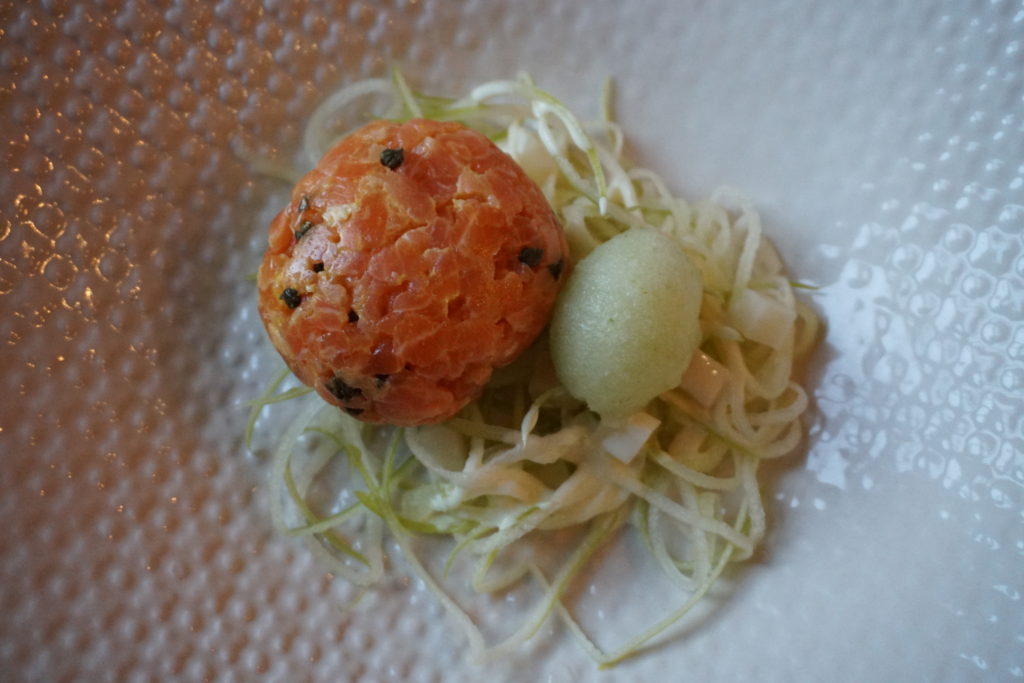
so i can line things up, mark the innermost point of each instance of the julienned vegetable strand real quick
(526, 457)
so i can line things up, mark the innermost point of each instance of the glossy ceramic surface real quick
(883, 143)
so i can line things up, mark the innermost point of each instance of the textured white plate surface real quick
(883, 143)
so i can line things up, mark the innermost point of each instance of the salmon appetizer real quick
(415, 259)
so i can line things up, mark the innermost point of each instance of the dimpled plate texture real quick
(883, 143)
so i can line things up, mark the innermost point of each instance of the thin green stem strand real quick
(256, 406)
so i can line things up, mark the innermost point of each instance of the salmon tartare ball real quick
(414, 259)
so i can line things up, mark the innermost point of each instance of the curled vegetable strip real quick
(323, 538)
(525, 458)
(321, 130)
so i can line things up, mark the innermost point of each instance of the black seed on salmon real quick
(318, 267)
(339, 389)
(531, 256)
(556, 268)
(353, 317)
(291, 297)
(392, 158)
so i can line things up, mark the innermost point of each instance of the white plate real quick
(882, 142)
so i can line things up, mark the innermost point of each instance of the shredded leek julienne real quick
(526, 459)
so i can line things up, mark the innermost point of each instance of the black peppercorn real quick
(556, 268)
(531, 256)
(291, 297)
(338, 388)
(392, 158)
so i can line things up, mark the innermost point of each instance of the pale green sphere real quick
(626, 323)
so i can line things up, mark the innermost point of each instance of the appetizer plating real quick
(664, 380)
